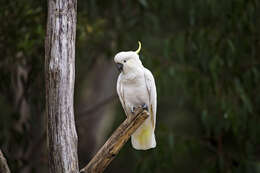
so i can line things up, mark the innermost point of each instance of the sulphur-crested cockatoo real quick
(136, 87)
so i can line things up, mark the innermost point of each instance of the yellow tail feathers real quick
(144, 137)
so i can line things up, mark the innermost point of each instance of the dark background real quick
(204, 55)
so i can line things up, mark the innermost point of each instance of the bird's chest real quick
(136, 93)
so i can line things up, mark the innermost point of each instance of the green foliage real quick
(204, 55)
(21, 77)
(204, 58)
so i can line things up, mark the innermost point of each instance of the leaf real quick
(179, 43)
(171, 140)
(144, 3)
(231, 45)
(243, 95)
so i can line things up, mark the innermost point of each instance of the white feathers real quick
(150, 84)
(135, 87)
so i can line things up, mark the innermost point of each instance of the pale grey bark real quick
(3, 164)
(59, 76)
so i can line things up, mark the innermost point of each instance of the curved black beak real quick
(119, 66)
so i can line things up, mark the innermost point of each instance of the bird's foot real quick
(137, 108)
(133, 109)
(145, 107)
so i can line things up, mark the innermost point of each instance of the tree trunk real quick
(59, 75)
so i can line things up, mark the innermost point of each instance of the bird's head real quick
(128, 61)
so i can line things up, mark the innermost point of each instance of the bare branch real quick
(3, 164)
(113, 145)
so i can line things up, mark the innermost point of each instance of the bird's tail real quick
(143, 138)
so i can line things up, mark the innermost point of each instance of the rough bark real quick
(113, 145)
(59, 76)
(3, 164)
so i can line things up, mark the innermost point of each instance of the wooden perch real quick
(113, 145)
(3, 164)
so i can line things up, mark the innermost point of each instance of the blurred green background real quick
(204, 55)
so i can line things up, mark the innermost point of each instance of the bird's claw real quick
(133, 109)
(145, 107)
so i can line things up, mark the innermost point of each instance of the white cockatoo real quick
(136, 87)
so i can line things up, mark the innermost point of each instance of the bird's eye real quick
(124, 60)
